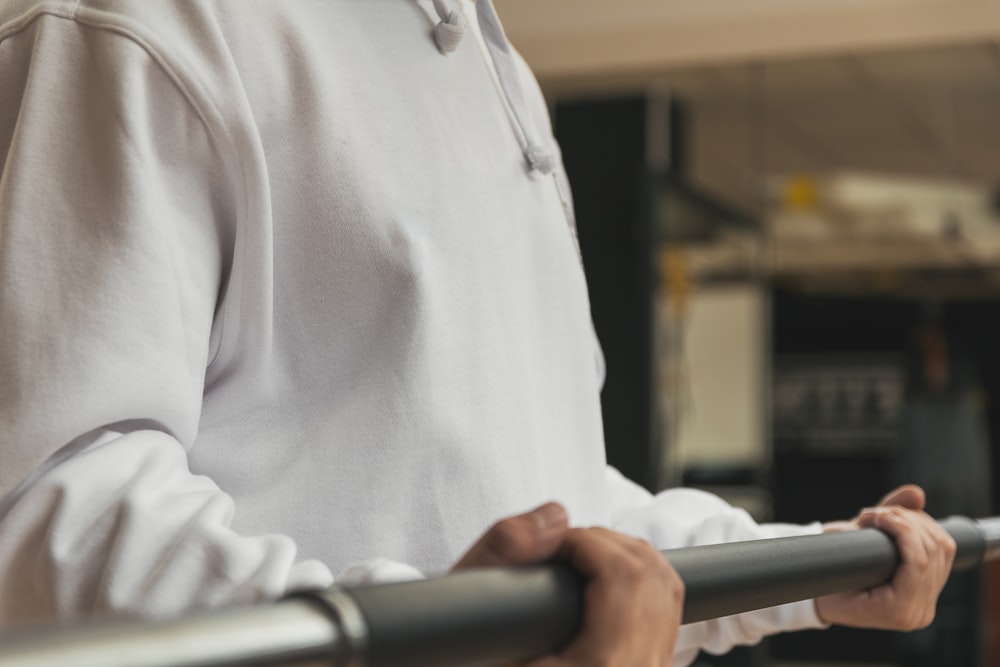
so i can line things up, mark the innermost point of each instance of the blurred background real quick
(789, 215)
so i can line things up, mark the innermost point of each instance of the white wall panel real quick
(726, 360)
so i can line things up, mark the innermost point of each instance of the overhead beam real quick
(579, 38)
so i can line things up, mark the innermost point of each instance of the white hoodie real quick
(289, 289)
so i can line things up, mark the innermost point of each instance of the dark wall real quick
(816, 485)
(604, 150)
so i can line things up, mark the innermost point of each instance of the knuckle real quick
(950, 547)
(582, 538)
(677, 587)
(920, 558)
(894, 511)
(630, 569)
(647, 550)
(602, 657)
(916, 619)
(672, 579)
(651, 557)
(507, 538)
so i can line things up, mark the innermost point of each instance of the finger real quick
(663, 587)
(839, 526)
(916, 571)
(633, 599)
(948, 544)
(612, 573)
(898, 524)
(526, 538)
(909, 496)
(921, 540)
(937, 541)
(925, 569)
(897, 602)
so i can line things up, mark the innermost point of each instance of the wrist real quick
(822, 614)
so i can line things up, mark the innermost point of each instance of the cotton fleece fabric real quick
(287, 290)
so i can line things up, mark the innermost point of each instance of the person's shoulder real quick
(186, 38)
(176, 46)
(133, 18)
(19, 12)
(14, 14)
(123, 16)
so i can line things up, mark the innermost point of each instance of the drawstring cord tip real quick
(449, 32)
(540, 159)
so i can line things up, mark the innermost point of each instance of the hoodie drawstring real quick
(449, 31)
(539, 157)
(448, 34)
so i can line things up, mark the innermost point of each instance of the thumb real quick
(909, 496)
(526, 538)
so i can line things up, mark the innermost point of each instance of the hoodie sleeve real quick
(114, 214)
(686, 517)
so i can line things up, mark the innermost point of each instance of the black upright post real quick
(609, 148)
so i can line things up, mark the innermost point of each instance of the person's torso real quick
(403, 351)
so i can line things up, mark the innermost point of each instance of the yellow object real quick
(801, 194)
(674, 278)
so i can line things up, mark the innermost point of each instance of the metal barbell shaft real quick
(481, 617)
(288, 632)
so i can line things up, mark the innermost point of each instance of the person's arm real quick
(116, 203)
(685, 517)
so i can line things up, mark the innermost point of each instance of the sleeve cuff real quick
(377, 570)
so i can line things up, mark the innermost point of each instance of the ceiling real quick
(580, 38)
(932, 112)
